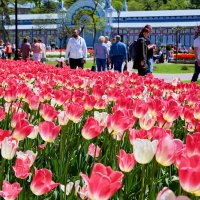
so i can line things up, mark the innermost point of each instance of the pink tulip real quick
(197, 111)
(126, 161)
(9, 147)
(33, 102)
(103, 182)
(27, 155)
(98, 91)
(34, 133)
(3, 135)
(167, 150)
(167, 194)
(61, 97)
(140, 134)
(10, 191)
(74, 112)
(45, 95)
(193, 144)
(42, 182)
(48, 131)
(63, 118)
(22, 129)
(17, 117)
(23, 92)
(140, 108)
(22, 168)
(172, 111)
(157, 133)
(118, 122)
(91, 129)
(2, 114)
(154, 106)
(94, 151)
(48, 112)
(89, 102)
(189, 174)
(101, 104)
(10, 94)
(146, 122)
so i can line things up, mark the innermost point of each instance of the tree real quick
(195, 3)
(47, 7)
(89, 20)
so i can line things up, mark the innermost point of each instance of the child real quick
(60, 62)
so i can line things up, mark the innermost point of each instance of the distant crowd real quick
(108, 54)
(37, 50)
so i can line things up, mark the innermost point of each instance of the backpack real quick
(132, 51)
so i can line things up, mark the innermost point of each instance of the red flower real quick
(74, 112)
(189, 174)
(10, 191)
(48, 112)
(119, 122)
(2, 114)
(22, 168)
(22, 129)
(42, 182)
(126, 161)
(48, 131)
(103, 182)
(3, 135)
(91, 129)
(89, 102)
(193, 144)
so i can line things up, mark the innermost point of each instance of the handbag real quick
(94, 67)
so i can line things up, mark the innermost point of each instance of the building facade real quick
(169, 26)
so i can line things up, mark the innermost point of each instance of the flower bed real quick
(184, 56)
(96, 135)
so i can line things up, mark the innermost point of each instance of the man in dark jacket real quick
(141, 60)
(118, 53)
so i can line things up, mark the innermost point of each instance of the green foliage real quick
(48, 7)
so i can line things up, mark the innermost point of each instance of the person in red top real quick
(36, 49)
(9, 50)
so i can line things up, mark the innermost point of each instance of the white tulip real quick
(144, 150)
(9, 147)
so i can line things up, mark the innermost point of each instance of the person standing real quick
(25, 49)
(2, 49)
(76, 51)
(36, 49)
(108, 45)
(141, 60)
(9, 50)
(118, 54)
(151, 47)
(101, 54)
(197, 55)
(43, 51)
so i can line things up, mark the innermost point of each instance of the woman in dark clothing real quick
(140, 61)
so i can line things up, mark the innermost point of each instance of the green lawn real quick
(87, 65)
(172, 68)
(164, 68)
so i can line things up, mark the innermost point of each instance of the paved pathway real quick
(168, 77)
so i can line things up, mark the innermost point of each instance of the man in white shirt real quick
(76, 51)
(197, 55)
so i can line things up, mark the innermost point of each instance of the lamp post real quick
(118, 15)
(16, 33)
